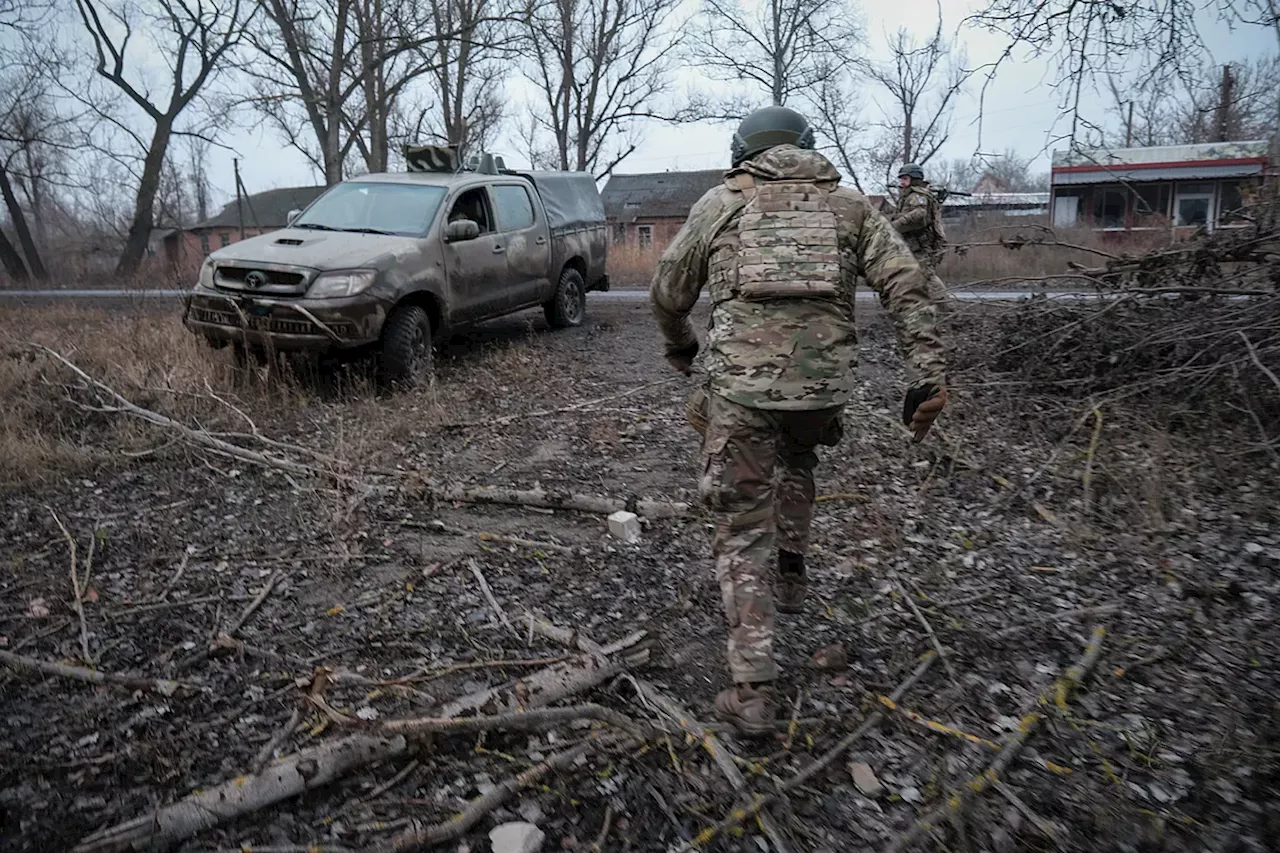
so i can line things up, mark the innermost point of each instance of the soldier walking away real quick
(919, 221)
(779, 246)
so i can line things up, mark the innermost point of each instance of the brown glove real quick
(921, 408)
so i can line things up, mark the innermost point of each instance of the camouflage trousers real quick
(757, 478)
(937, 290)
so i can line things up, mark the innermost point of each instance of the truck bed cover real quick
(570, 199)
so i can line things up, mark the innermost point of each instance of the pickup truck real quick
(385, 264)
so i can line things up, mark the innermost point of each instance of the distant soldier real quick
(779, 246)
(919, 220)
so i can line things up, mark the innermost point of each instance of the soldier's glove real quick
(681, 358)
(921, 408)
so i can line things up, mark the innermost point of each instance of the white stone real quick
(625, 526)
(865, 778)
(517, 837)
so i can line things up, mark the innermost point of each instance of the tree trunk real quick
(20, 228)
(11, 260)
(135, 247)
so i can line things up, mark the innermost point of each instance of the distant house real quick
(646, 211)
(988, 204)
(260, 213)
(1171, 187)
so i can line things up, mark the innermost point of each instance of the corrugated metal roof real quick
(998, 200)
(1104, 158)
(658, 195)
(1116, 174)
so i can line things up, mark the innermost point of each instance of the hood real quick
(321, 250)
(789, 163)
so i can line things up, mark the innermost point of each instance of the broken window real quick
(1109, 207)
(644, 236)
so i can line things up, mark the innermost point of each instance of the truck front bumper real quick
(284, 324)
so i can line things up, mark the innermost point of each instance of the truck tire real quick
(405, 352)
(569, 304)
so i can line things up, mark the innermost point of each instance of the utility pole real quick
(235, 165)
(1128, 128)
(1222, 121)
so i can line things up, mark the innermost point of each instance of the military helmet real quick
(769, 127)
(911, 170)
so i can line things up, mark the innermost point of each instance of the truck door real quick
(523, 225)
(479, 283)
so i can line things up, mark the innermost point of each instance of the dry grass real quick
(985, 263)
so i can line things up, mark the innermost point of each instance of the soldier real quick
(779, 246)
(919, 220)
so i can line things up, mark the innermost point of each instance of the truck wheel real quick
(405, 353)
(569, 304)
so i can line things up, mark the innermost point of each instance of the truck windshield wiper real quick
(315, 226)
(367, 231)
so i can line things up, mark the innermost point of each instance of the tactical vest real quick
(788, 244)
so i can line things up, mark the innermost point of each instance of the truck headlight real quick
(205, 279)
(331, 285)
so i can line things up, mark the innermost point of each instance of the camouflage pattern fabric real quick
(788, 244)
(793, 354)
(743, 451)
(919, 220)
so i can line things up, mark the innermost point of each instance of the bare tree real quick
(921, 82)
(1091, 40)
(838, 118)
(599, 66)
(783, 48)
(194, 37)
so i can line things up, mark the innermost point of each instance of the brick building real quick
(646, 211)
(261, 213)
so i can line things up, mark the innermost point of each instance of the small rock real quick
(517, 837)
(831, 658)
(625, 526)
(911, 794)
(1253, 548)
(865, 778)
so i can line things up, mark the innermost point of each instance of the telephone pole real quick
(1222, 121)
(235, 165)
(1128, 128)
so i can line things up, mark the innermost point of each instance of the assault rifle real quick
(942, 194)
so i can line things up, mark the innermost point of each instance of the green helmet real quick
(767, 128)
(911, 170)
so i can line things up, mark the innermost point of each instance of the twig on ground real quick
(77, 589)
(758, 803)
(724, 759)
(1087, 478)
(93, 676)
(457, 826)
(598, 845)
(269, 748)
(519, 721)
(1057, 694)
(1101, 610)
(177, 576)
(559, 500)
(493, 602)
(485, 536)
(928, 628)
(1038, 822)
(255, 604)
(968, 599)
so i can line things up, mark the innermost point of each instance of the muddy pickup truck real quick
(385, 264)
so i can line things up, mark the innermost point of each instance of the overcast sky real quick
(1022, 110)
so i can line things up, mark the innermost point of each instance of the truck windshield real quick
(374, 208)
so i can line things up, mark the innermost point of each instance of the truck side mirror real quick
(461, 230)
(293, 215)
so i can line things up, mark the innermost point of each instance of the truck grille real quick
(278, 325)
(236, 275)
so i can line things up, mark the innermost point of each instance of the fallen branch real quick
(488, 594)
(519, 721)
(724, 759)
(77, 588)
(93, 676)
(559, 500)
(1058, 694)
(268, 750)
(458, 825)
(928, 628)
(485, 536)
(1038, 822)
(303, 771)
(255, 604)
(759, 803)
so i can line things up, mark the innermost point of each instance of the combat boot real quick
(750, 708)
(793, 583)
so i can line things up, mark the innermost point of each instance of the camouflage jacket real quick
(919, 220)
(791, 354)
